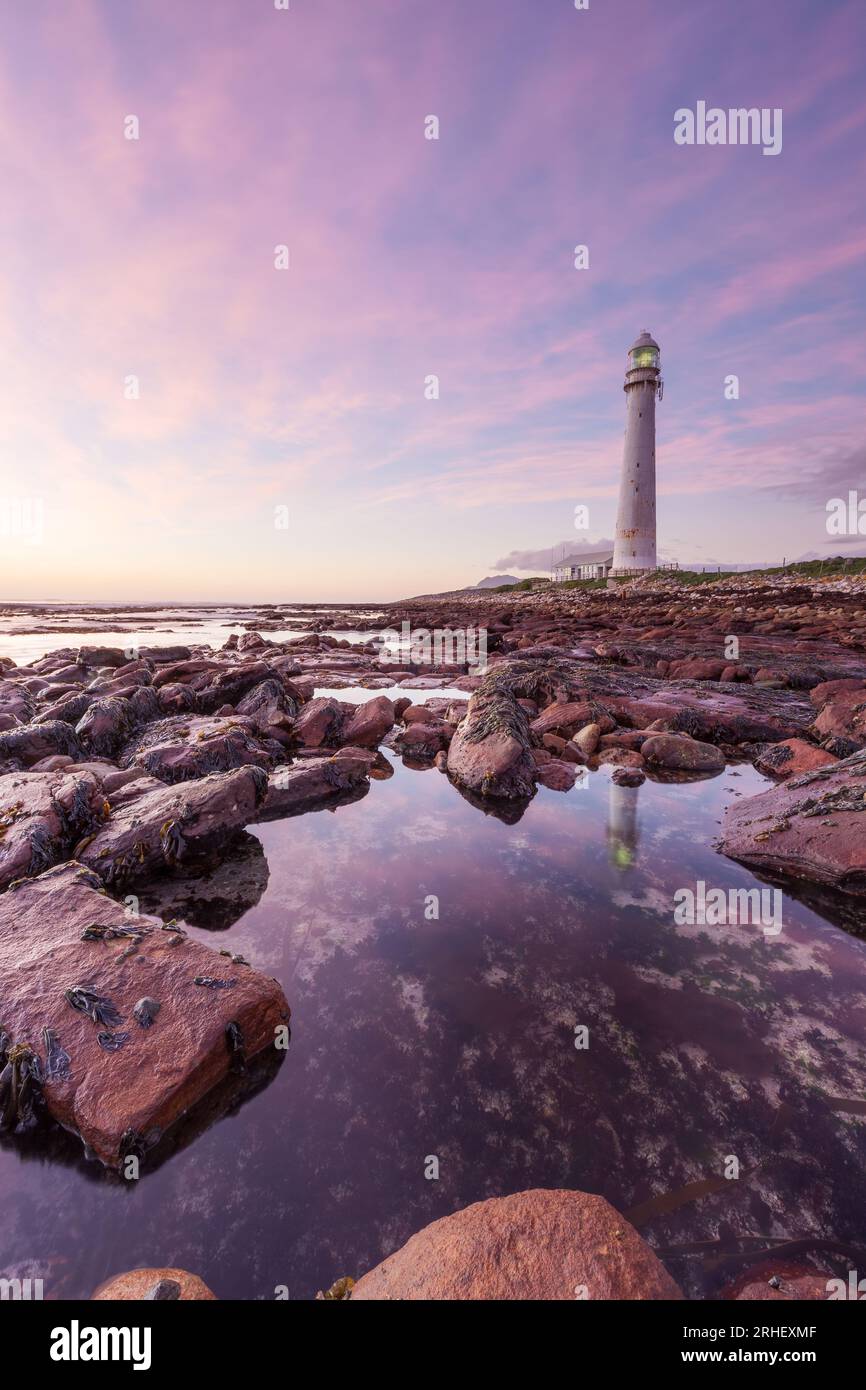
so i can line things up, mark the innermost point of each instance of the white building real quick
(593, 565)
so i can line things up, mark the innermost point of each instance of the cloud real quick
(546, 558)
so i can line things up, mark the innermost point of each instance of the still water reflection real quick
(454, 1036)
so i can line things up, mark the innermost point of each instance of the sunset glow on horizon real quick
(304, 389)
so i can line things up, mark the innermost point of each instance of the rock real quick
(554, 773)
(177, 698)
(70, 709)
(620, 757)
(490, 752)
(179, 750)
(774, 1281)
(30, 743)
(586, 740)
(42, 816)
(791, 758)
(811, 827)
(149, 1284)
(423, 740)
(370, 723)
(228, 686)
(120, 1100)
(535, 1245)
(101, 656)
(272, 709)
(55, 763)
(106, 725)
(567, 718)
(315, 782)
(843, 716)
(628, 776)
(154, 832)
(676, 752)
(320, 721)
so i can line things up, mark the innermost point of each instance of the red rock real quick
(139, 1284)
(423, 740)
(567, 718)
(843, 716)
(620, 757)
(791, 758)
(315, 781)
(370, 723)
(319, 721)
(676, 752)
(42, 816)
(497, 764)
(161, 1071)
(181, 749)
(535, 1245)
(812, 827)
(556, 774)
(174, 824)
(828, 690)
(30, 743)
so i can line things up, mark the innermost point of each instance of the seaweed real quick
(96, 1006)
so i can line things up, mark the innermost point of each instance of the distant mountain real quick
(494, 581)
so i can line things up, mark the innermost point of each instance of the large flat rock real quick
(169, 826)
(811, 827)
(161, 1071)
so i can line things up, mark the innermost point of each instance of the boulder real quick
(843, 716)
(70, 709)
(535, 1245)
(811, 827)
(121, 1101)
(566, 718)
(320, 721)
(106, 725)
(791, 758)
(179, 750)
(370, 723)
(30, 743)
(162, 828)
(676, 752)
(153, 1285)
(315, 782)
(42, 816)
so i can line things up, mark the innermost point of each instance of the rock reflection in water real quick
(451, 1033)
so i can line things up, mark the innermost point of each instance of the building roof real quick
(644, 339)
(590, 557)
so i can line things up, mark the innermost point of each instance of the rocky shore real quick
(127, 777)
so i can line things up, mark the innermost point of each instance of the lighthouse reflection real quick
(622, 825)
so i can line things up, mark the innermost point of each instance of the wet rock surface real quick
(549, 1245)
(121, 1100)
(155, 764)
(812, 827)
(153, 1285)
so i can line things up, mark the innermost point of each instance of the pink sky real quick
(305, 388)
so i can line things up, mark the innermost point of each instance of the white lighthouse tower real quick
(634, 548)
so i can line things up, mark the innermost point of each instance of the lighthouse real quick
(634, 548)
